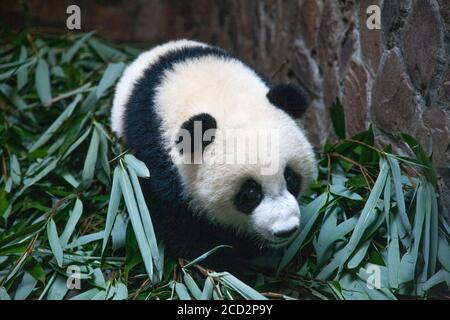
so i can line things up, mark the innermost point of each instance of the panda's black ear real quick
(290, 98)
(196, 133)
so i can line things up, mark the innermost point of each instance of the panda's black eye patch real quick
(248, 197)
(293, 181)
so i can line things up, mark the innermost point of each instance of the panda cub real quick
(175, 107)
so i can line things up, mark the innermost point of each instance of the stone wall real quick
(396, 78)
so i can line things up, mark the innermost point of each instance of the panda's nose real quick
(285, 233)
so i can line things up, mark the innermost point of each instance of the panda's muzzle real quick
(283, 234)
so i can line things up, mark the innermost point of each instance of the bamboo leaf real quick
(204, 256)
(74, 217)
(367, 212)
(69, 54)
(55, 125)
(145, 217)
(58, 289)
(22, 76)
(113, 207)
(121, 292)
(136, 222)
(312, 210)
(25, 287)
(54, 242)
(110, 76)
(395, 169)
(207, 289)
(42, 80)
(91, 157)
(182, 291)
(4, 294)
(342, 191)
(244, 290)
(192, 286)
(138, 166)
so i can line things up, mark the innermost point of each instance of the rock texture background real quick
(396, 78)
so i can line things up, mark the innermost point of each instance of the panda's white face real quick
(264, 206)
(242, 196)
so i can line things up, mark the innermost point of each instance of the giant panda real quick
(197, 205)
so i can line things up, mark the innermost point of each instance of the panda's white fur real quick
(134, 72)
(235, 96)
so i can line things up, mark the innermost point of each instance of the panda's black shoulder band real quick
(290, 98)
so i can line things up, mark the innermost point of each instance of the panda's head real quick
(252, 190)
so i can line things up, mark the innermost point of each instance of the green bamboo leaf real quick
(121, 292)
(104, 161)
(8, 74)
(75, 145)
(138, 166)
(83, 240)
(352, 289)
(434, 232)
(338, 119)
(426, 240)
(55, 125)
(407, 265)
(70, 179)
(328, 227)
(444, 253)
(4, 294)
(182, 291)
(207, 289)
(393, 255)
(395, 169)
(342, 191)
(422, 208)
(25, 287)
(359, 254)
(87, 295)
(367, 212)
(99, 279)
(312, 211)
(42, 80)
(74, 217)
(204, 256)
(91, 157)
(192, 286)
(22, 76)
(133, 212)
(54, 242)
(439, 277)
(14, 170)
(430, 173)
(110, 76)
(118, 232)
(69, 54)
(38, 272)
(13, 97)
(105, 52)
(240, 287)
(338, 233)
(113, 207)
(58, 289)
(145, 217)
